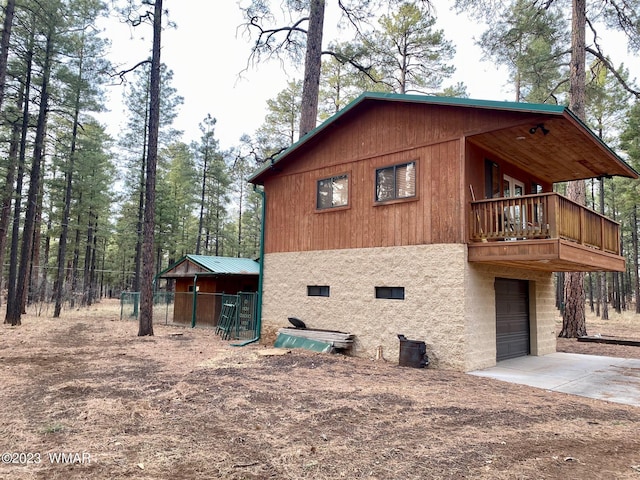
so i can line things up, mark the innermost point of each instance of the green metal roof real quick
(433, 100)
(226, 265)
(220, 265)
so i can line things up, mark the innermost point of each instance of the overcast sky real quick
(207, 55)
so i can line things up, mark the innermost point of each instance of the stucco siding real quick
(432, 310)
(449, 304)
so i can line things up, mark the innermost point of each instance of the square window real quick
(317, 290)
(333, 192)
(392, 293)
(396, 182)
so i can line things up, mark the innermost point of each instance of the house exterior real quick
(200, 282)
(434, 218)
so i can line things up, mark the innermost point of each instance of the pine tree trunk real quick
(203, 191)
(45, 261)
(4, 44)
(141, 195)
(14, 306)
(17, 207)
(86, 281)
(72, 274)
(590, 280)
(148, 270)
(103, 264)
(603, 276)
(92, 267)
(598, 292)
(240, 216)
(636, 266)
(312, 67)
(64, 233)
(36, 272)
(7, 197)
(560, 291)
(573, 318)
(13, 151)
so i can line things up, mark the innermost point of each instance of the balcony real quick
(543, 232)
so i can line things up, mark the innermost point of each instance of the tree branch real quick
(267, 41)
(627, 20)
(122, 73)
(605, 61)
(343, 59)
(597, 52)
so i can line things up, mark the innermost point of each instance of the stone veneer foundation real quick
(449, 303)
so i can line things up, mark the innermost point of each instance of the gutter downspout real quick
(261, 277)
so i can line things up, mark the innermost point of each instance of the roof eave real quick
(632, 172)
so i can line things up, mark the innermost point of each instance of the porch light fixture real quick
(540, 126)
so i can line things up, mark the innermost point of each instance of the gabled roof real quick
(190, 265)
(569, 124)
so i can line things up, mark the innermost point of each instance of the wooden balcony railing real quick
(546, 215)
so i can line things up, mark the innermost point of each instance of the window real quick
(536, 188)
(515, 215)
(317, 290)
(398, 181)
(537, 207)
(333, 192)
(393, 293)
(491, 179)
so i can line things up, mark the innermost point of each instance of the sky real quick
(208, 53)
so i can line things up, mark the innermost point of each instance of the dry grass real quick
(625, 325)
(185, 405)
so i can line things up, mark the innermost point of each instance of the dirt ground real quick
(185, 405)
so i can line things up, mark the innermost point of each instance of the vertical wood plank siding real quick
(378, 136)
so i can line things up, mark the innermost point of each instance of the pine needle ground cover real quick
(186, 405)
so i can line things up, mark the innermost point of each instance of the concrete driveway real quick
(605, 378)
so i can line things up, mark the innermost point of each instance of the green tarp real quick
(289, 341)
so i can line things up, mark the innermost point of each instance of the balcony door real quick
(514, 213)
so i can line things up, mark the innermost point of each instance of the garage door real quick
(512, 318)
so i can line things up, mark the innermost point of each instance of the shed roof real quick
(580, 152)
(190, 265)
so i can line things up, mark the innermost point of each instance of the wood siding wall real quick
(432, 216)
(378, 136)
(209, 301)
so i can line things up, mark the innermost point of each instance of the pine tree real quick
(82, 94)
(410, 56)
(177, 199)
(531, 43)
(303, 37)
(134, 147)
(205, 152)
(148, 233)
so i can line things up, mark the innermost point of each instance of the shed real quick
(202, 280)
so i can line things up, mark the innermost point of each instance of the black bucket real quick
(413, 353)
